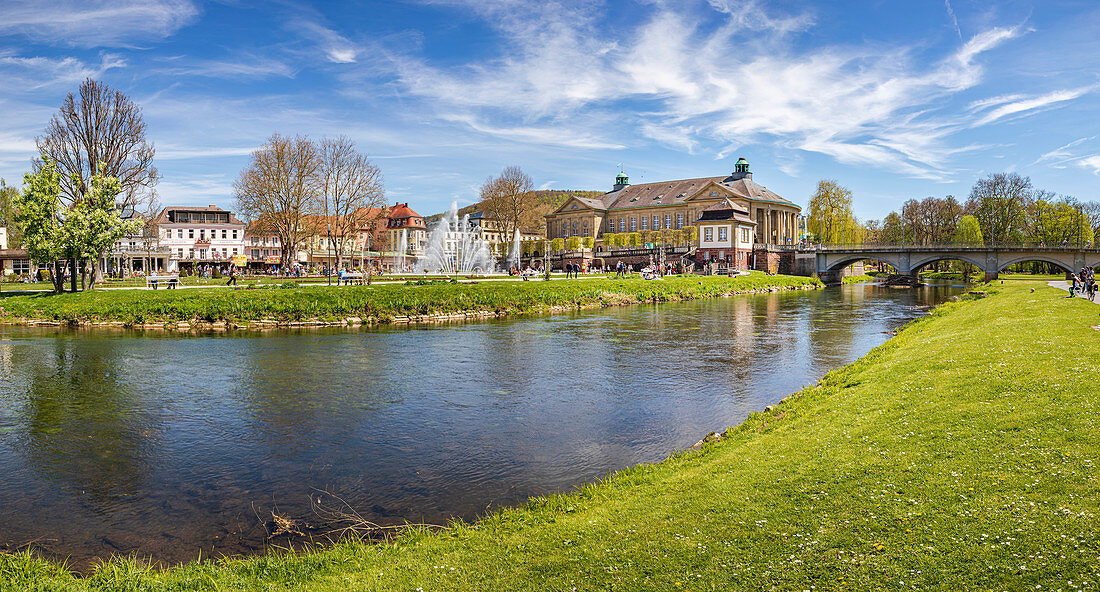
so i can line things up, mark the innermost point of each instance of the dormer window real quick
(574, 207)
(714, 194)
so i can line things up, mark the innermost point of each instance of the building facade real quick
(406, 237)
(726, 235)
(675, 204)
(197, 235)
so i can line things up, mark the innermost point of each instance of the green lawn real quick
(380, 302)
(960, 455)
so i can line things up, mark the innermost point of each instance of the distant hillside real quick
(548, 200)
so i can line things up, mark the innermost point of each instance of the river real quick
(168, 445)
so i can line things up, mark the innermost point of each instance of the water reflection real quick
(168, 445)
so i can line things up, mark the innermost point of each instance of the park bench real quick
(351, 277)
(170, 281)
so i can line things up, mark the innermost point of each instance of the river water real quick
(167, 446)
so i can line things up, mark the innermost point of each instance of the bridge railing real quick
(1035, 247)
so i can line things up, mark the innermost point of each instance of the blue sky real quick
(896, 100)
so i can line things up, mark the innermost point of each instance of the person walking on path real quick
(232, 276)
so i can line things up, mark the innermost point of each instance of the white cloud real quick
(337, 48)
(242, 65)
(1091, 163)
(23, 74)
(1021, 105)
(691, 83)
(95, 23)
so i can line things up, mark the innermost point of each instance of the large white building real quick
(197, 235)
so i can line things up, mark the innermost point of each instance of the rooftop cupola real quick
(741, 169)
(621, 181)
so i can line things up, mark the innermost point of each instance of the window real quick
(223, 234)
(190, 233)
(633, 224)
(202, 233)
(234, 235)
(190, 253)
(21, 266)
(723, 234)
(622, 224)
(708, 235)
(744, 235)
(167, 234)
(234, 250)
(668, 221)
(179, 233)
(679, 220)
(656, 223)
(181, 253)
(265, 252)
(225, 252)
(255, 253)
(645, 223)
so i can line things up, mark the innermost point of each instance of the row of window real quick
(646, 223)
(202, 233)
(202, 253)
(723, 236)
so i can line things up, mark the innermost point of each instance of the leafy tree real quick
(588, 242)
(969, 231)
(830, 216)
(8, 196)
(691, 234)
(38, 210)
(674, 236)
(557, 244)
(573, 243)
(893, 228)
(93, 224)
(609, 238)
(635, 239)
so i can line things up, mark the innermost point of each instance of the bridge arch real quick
(965, 258)
(1041, 258)
(843, 262)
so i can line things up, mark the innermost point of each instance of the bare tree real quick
(350, 194)
(999, 201)
(100, 128)
(510, 200)
(279, 188)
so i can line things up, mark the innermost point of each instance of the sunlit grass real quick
(381, 302)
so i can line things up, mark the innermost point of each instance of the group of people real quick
(1084, 282)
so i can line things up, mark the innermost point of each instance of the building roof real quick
(724, 210)
(679, 191)
(402, 210)
(162, 217)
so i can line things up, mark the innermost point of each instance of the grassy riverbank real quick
(960, 455)
(381, 303)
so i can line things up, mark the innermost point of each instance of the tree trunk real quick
(72, 274)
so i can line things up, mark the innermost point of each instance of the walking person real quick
(232, 276)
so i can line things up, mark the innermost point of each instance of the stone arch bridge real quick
(830, 260)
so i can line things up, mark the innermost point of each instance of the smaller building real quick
(263, 247)
(406, 237)
(725, 235)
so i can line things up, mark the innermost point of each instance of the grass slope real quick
(380, 302)
(959, 455)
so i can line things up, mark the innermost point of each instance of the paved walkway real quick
(1064, 285)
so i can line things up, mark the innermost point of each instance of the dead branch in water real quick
(349, 521)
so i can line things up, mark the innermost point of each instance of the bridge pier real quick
(831, 278)
(990, 276)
